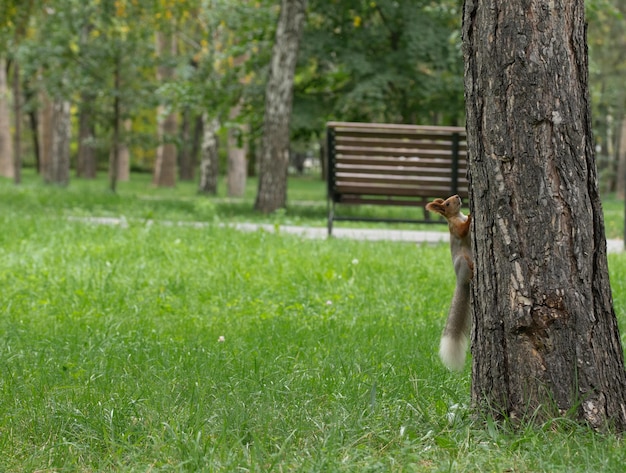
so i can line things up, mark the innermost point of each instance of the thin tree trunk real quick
(115, 144)
(6, 145)
(545, 340)
(45, 132)
(17, 112)
(186, 167)
(196, 141)
(86, 166)
(87, 159)
(237, 153)
(274, 156)
(59, 166)
(165, 164)
(210, 159)
(34, 125)
(621, 161)
(123, 159)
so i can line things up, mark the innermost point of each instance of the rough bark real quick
(274, 156)
(6, 145)
(165, 164)
(545, 339)
(209, 161)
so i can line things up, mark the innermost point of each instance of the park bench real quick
(399, 165)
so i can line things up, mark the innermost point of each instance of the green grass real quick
(112, 360)
(138, 199)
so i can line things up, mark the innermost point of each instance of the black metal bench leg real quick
(331, 215)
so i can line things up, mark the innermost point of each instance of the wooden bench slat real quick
(392, 126)
(409, 164)
(397, 153)
(398, 191)
(393, 135)
(341, 144)
(393, 171)
(412, 202)
(363, 129)
(415, 180)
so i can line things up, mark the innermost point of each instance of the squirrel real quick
(454, 340)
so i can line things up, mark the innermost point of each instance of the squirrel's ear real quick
(435, 206)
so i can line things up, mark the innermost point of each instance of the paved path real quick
(416, 236)
(351, 233)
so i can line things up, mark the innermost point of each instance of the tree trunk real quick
(209, 165)
(274, 156)
(119, 158)
(58, 169)
(237, 153)
(185, 157)
(33, 124)
(17, 112)
(7, 168)
(545, 340)
(621, 161)
(196, 140)
(114, 154)
(123, 158)
(45, 133)
(86, 165)
(165, 164)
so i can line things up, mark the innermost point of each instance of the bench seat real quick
(399, 165)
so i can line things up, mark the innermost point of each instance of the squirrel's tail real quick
(455, 336)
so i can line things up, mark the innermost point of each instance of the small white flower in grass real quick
(355, 261)
(221, 339)
(329, 302)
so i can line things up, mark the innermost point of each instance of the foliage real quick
(607, 46)
(76, 48)
(383, 61)
(396, 61)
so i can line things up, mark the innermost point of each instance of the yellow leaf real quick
(120, 8)
(73, 47)
(247, 79)
(357, 21)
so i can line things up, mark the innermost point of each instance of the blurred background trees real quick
(178, 87)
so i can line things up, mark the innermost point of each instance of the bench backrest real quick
(371, 163)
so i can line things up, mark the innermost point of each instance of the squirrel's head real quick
(448, 208)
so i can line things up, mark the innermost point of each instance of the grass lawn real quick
(162, 348)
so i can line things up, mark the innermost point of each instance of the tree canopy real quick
(360, 60)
